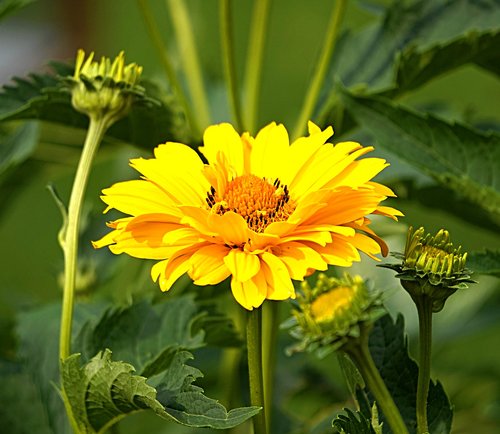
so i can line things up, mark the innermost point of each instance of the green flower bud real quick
(431, 266)
(105, 87)
(333, 313)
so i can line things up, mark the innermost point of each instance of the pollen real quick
(330, 304)
(258, 201)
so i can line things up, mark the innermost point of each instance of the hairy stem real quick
(269, 335)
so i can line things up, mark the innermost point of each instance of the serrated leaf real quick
(104, 391)
(8, 7)
(352, 423)
(485, 262)
(142, 333)
(465, 160)
(416, 67)
(40, 96)
(369, 55)
(389, 348)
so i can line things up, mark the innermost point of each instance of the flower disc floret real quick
(260, 210)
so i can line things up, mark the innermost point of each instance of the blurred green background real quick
(466, 355)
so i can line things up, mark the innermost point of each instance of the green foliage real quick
(389, 349)
(485, 262)
(42, 97)
(456, 156)
(353, 423)
(104, 391)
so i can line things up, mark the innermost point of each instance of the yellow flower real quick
(262, 211)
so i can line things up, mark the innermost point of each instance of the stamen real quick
(255, 199)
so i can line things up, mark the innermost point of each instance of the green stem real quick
(269, 335)
(95, 133)
(228, 59)
(364, 362)
(321, 67)
(254, 348)
(424, 308)
(189, 58)
(163, 53)
(255, 57)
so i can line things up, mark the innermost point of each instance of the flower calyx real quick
(333, 314)
(431, 266)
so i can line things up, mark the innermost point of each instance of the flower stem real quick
(424, 308)
(95, 133)
(364, 361)
(269, 334)
(189, 58)
(254, 348)
(162, 50)
(255, 56)
(321, 67)
(228, 59)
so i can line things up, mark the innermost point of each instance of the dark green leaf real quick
(368, 56)
(353, 423)
(104, 391)
(416, 67)
(142, 332)
(389, 348)
(41, 97)
(458, 157)
(17, 146)
(8, 7)
(486, 262)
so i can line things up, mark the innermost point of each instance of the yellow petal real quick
(279, 284)
(137, 197)
(243, 266)
(299, 258)
(249, 294)
(270, 146)
(207, 265)
(224, 139)
(176, 266)
(231, 227)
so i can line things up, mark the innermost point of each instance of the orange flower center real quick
(255, 199)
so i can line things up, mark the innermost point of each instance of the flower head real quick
(104, 87)
(331, 314)
(261, 210)
(431, 266)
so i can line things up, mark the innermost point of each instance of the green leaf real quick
(458, 157)
(389, 348)
(17, 146)
(352, 423)
(485, 262)
(142, 333)
(415, 67)
(103, 391)
(419, 27)
(8, 7)
(40, 96)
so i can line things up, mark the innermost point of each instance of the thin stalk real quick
(189, 58)
(254, 348)
(255, 57)
(228, 59)
(424, 308)
(164, 56)
(95, 133)
(270, 311)
(364, 362)
(321, 67)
